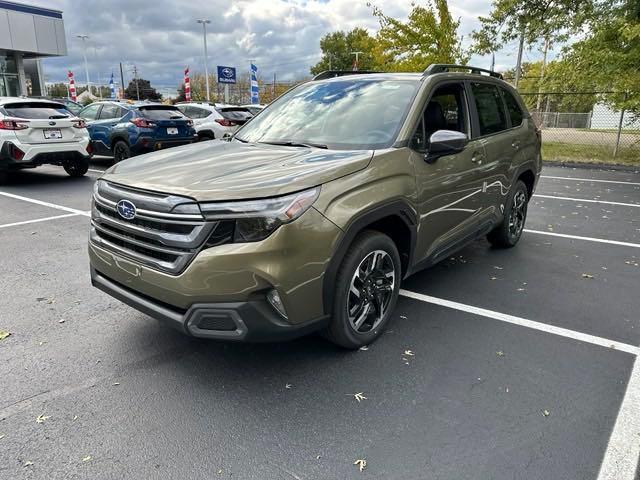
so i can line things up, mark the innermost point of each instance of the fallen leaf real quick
(288, 386)
(358, 396)
(1, 436)
(42, 418)
(403, 317)
(546, 413)
(61, 320)
(318, 457)
(500, 353)
(115, 384)
(28, 463)
(87, 458)
(220, 472)
(587, 275)
(75, 417)
(493, 278)
(409, 353)
(4, 334)
(520, 289)
(361, 463)
(498, 268)
(364, 348)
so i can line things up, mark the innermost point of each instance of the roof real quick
(5, 100)
(433, 69)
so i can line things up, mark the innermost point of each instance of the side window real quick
(90, 112)
(515, 112)
(199, 112)
(110, 111)
(446, 110)
(491, 114)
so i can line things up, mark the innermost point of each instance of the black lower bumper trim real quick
(250, 321)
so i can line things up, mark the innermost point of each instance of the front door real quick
(451, 199)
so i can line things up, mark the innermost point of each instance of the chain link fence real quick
(581, 126)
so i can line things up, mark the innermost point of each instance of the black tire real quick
(121, 151)
(508, 233)
(77, 168)
(365, 248)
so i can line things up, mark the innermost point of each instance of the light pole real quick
(84, 54)
(355, 65)
(204, 22)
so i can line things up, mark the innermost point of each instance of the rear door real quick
(492, 130)
(108, 117)
(170, 123)
(48, 122)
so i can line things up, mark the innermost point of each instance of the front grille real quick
(161, 235)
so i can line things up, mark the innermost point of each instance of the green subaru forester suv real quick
(312, 214)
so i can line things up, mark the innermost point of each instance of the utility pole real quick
(273, 90)
(493, 60)
(122, 82)
(204, 22)
(355, 65)
(135, 76)
(84, 54)
(544, 64)
(519, 61)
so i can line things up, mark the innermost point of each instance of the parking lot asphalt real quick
(498, 364)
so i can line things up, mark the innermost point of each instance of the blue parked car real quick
(123, 130)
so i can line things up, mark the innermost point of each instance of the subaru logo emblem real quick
(126, 209)
(227, 72)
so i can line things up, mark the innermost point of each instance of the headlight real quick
(255, 220)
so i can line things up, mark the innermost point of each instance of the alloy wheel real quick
(517, 214)
(371, 291)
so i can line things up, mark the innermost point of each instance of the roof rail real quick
(339, 73)
(446, 67)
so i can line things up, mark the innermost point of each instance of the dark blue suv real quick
(122, 129)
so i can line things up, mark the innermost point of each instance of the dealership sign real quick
(226, 74)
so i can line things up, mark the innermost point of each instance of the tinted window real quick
(235, 113)
(90, 112)
(161, 112)
(110, 111)
(515, 112)
(446, 110)
(37, 110)
(341, 113)
(195, 112)
(491, 114)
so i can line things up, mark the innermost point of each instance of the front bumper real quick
(249, 321)
(150, 144)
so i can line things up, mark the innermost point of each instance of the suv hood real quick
(220, 170)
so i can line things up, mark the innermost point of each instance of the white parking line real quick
(47, 204)
(15, 224)
(523, 322)
(590, 180)
(588, 239)
(585, 200)
(623, 450)
(621, 457)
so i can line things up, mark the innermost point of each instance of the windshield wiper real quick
(290, 143)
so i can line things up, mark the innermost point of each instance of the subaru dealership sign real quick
(226, 74)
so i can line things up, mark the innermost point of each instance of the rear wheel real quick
(508, 233)
(367, 288)
(77, 168)
(121, 151)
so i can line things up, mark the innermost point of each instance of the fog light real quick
(276, 302)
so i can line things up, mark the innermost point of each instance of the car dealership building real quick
(27, 33)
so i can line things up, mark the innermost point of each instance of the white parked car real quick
(35, 132)
(214, 120)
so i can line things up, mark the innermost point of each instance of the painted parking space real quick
(449, 393)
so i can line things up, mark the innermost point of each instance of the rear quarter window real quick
(34, 110)
(513, 108)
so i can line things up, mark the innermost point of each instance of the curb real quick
(591, 166)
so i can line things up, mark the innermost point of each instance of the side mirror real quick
(445, 142)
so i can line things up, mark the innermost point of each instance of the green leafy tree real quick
(337, 48)
(147, 92)
(430, 35)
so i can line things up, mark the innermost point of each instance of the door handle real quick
(515, 144)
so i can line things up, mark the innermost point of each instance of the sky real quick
(281, 36)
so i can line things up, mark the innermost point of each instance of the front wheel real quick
(121, 151)
(367, 287)
(77, 168)
(508, 233)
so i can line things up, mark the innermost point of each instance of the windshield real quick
(346, 114)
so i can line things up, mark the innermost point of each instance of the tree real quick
(337, 48)
(430, 35)
(144, 88)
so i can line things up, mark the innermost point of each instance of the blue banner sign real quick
(226, 74)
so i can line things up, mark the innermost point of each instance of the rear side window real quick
(161, 113)
(90, 112)
(37, 110)
(515, 112)
(195, 112)
(110, 111)
(491, 114)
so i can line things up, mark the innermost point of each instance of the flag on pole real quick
(112, 87)
(187, 85)
(255, 95)
(72, 86)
